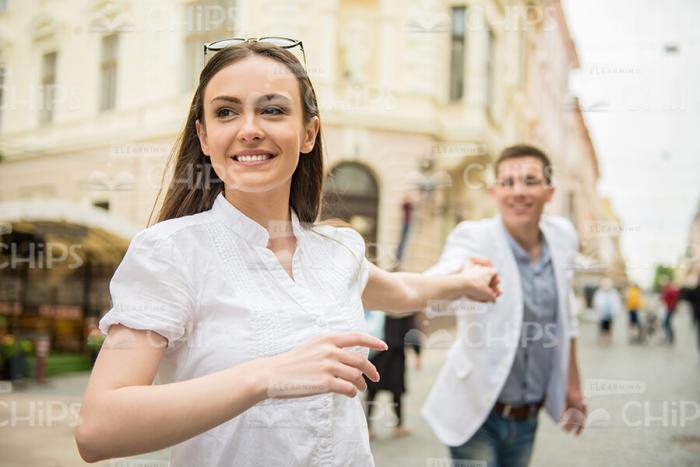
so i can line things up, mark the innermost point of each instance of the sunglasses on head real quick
(284, 42)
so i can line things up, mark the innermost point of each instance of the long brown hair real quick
(195, 185)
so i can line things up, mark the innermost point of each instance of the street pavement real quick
(644, 410)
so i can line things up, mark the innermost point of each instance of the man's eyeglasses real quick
(284, 42)
(528, 182)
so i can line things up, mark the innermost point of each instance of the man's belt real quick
(517, 413)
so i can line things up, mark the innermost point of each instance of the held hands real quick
(321, 365)
(482, 281)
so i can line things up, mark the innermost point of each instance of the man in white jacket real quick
(514, 356)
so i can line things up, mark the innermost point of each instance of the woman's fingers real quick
(358, 339)
(358, 361)
(350, 374)
(480, 260)
(340, 371)
(340, 386)
(487, 292)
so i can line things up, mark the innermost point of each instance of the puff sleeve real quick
(151, 289)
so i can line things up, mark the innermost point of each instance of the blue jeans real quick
(499, 442)
(667, 326)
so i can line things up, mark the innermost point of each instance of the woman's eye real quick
(273, 110)
(224, 113)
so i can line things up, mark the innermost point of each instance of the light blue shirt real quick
(605, 303)
(529, 375)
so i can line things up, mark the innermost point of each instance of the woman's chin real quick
(252, 186)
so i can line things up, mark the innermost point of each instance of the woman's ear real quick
(310, 133)
(202, 135)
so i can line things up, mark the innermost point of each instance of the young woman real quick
(250, 316)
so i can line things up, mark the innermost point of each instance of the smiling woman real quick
(249, 314)
(216, 113)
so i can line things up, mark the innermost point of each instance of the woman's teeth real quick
(253, 158)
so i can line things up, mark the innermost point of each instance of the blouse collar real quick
(246, 227)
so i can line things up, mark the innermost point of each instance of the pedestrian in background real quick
(692, 296)
(670, 296)
(392, 366)
(634, 303)
(607, 302)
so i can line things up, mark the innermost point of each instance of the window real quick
(206, 21)
(457, 51)
(351, 193)
(101, 204)
(194, 60)
(108, 72)
(490, 71)
(48, 87)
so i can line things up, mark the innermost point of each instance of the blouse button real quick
(320, 321)
(324, 443)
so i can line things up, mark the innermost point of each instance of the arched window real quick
(351, 193)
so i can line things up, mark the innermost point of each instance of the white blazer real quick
(480, 358)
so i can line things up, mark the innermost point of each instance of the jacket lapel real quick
(558, 260)
(509, 306)
(556, 388)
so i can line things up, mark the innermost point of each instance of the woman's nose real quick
(250, 130)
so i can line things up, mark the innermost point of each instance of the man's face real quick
(521, 190)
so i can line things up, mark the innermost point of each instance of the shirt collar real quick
(246, 227)
(521, 255)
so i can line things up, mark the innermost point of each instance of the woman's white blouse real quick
(208, 283)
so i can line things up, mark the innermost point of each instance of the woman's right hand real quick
(320, 365)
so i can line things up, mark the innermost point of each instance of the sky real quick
(641, 102)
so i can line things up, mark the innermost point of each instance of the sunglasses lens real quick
(280, 41)
(218, 45)
(292, 45)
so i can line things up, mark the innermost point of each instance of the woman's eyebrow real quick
(231, 99)
(260, 100)
(269, 97)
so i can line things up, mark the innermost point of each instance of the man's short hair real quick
(525, 150)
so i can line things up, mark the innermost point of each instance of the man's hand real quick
(485, 262)
(480, 283)
(574, 417)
